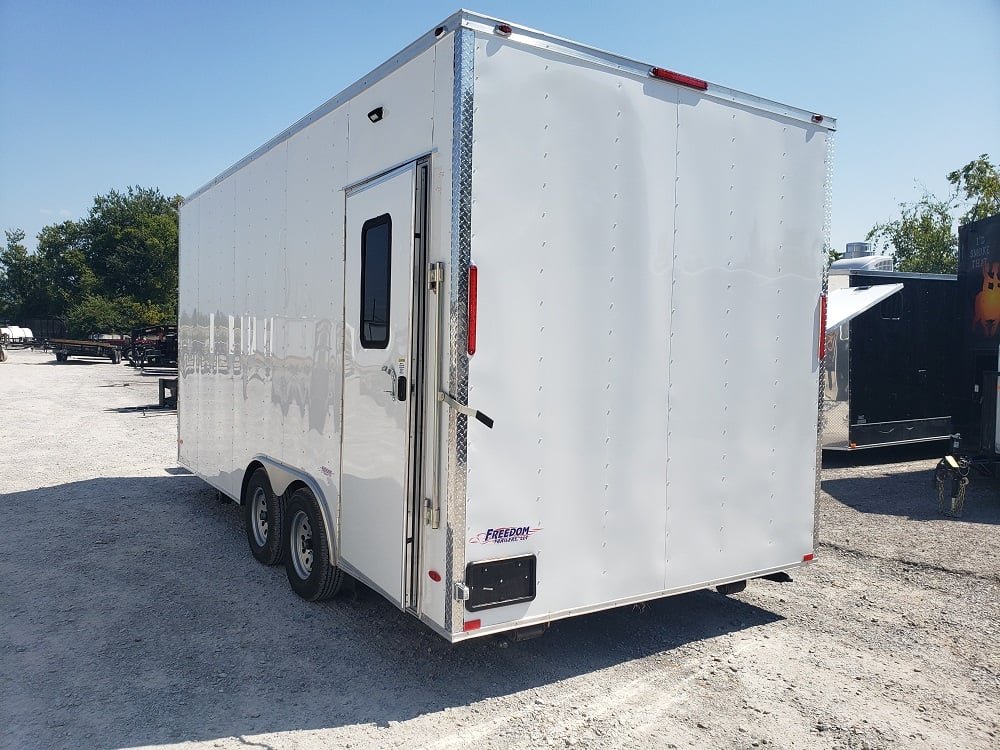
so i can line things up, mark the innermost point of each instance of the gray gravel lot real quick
(131, 614)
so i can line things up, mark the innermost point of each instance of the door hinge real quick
(432, 515)
(461, 592)
(435, 276)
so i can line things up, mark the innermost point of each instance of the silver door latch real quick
(461, 592)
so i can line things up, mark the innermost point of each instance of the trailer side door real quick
(379, 269)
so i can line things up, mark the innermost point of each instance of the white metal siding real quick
(649, 261)
(264, 248)
(744, 369)
(572, 233)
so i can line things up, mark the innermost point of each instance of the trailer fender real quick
(282, 477)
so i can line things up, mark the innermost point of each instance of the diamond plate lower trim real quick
(461, 256)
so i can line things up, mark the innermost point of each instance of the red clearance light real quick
(807, 558)
(503, 29)
(817, 119)
(473, 625)
(434, 576)
(822, 327)
(473, 307)
(668, 75)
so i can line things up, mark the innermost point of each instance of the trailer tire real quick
(262, 516)
(116, 357)
(61, 356)
(308, 563)
(731, 588)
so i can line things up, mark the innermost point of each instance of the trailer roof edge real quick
(523, 35)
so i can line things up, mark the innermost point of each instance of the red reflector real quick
(473, 307)
(822, 327)
(817, 119)
(683, 80)
(503, 29)
(473, 625)
(807, 558)
(434, 576)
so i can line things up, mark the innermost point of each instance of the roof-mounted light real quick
(503, 29)
(668, 75)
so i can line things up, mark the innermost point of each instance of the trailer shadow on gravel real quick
(71, 363)
(913, 495)
(138, 596)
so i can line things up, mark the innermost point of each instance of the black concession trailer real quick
(979, 316)
(890, 371)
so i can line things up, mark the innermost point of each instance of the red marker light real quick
(817, 119)
(473, 625)
(808, 558)
(822, 327)
(503, 29)
(668, 75)
(473, 307)
(434, 576)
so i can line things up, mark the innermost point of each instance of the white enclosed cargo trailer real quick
(514, 329)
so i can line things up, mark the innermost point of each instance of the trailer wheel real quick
(116, 357)
(61, 357)
(731, 588)
(307, 556)
(262, 512)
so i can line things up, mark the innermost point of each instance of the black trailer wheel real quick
(61, 356)
(731, 588)
(307, 555)
(3, 355)
(262, 513)
(116, 357)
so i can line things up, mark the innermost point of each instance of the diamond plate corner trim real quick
(461, 256)
(821, 421)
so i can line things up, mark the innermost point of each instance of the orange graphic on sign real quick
(988, 301)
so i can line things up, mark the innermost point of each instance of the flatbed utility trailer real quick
(66, 348)
(514, 329)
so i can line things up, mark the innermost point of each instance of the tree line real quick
(922, 239)
(117, 268)
(111, 271)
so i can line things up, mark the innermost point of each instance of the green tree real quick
(110, 271)
(20, 278)
(94, 313)
(65, 275)
(921, 239)
(979, 183)
(132, 247)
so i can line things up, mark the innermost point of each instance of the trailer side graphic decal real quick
(504, 534)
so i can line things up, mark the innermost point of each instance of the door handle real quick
(401, 388)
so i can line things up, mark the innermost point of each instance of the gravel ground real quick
(133, 615)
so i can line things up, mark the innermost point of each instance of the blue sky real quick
(109, 93)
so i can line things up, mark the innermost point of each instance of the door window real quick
(376, 253)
